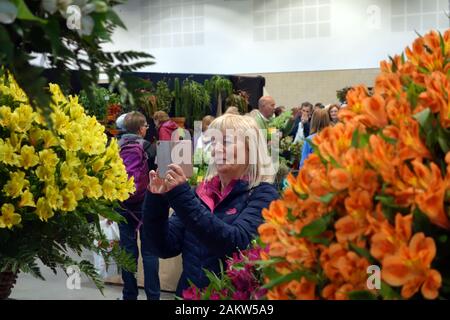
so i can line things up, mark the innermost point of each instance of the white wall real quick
(260, 36)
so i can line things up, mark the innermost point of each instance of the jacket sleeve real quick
(306, 151)
(164, 235)
(220, 237)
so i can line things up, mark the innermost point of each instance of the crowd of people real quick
(222, 214)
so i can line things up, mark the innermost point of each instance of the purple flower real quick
(260, 293)
(240, 295)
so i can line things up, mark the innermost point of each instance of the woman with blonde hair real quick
(165, 126)
(320, 120)
(222, 215)
(232, 110)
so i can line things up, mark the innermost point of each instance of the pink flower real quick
(191, 293)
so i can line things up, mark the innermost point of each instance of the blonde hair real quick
(319, 121)
(262, 169)
(232, 110)
(161, 116)
(207, 120)
(134, 121)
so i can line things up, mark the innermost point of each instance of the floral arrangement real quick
(291, 151)
(242, 279)
(100, 106)
(55, 181)
(69, 35)
(376, 192)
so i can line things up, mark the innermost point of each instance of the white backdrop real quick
(257, 36)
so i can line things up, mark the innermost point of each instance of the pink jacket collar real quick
(209, 192)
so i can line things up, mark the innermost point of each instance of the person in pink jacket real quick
(164, 125)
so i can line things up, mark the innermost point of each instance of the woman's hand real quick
(174, 177)
(156, 185)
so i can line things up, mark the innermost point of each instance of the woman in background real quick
(165, 126)
(320, 120)
(333, 111)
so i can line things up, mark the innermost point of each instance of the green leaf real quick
(317, 227)
(361, 295)
(24, 13)
(320, 240)
(362, 252)
(424, 118)
(327, 198)
(443, 139)
(296, 275)
(388, 293)
(7, 48)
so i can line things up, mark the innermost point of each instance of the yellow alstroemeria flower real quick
(74, 187)
(48, 158)
(27, 200)
(60, 121)
(9, 218)
(43, 210)
(109, 189)
(14, 187)
(71, 142)
(22, 118)
(69, 202)
(35, 135)
(52, 196)
(57, 95)
(67, 172)
(92, 187)
(46, 173)
(98, 165)
(49, 139)
(72, 159)
(5, 116)
(75, 110)
(28, 157)
(7, 154)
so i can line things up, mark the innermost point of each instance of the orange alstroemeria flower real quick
(382, 157)
(426, 52)
(388, 85)
(411, 146)
(342, 266)
(276, 213)
(278, 293)
(431, 199)
(301, 251)
(268, 233)
(436, 95)
(339, 293)
(334, 142)
(411, 268)
(302, 290)
(397, 110)
(354, 107)
(354, 225)
(373, 113)
(389, 240)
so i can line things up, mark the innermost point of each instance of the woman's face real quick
(230, 155)
(334, 114)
